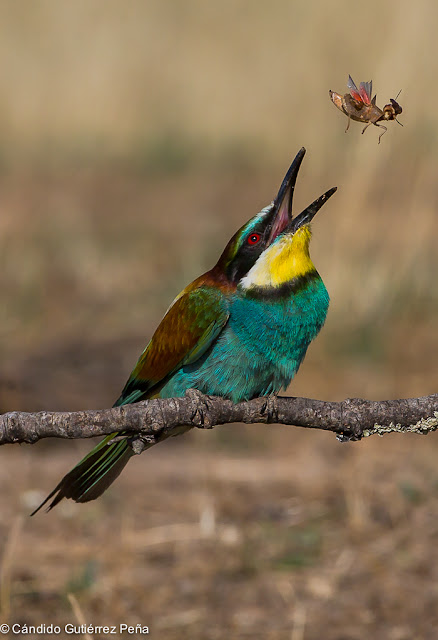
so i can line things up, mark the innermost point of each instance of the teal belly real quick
(260, 349)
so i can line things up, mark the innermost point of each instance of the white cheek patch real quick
(287, 258)
(261, 274)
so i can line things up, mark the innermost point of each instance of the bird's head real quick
(272, 249)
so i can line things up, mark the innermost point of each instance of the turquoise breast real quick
(261, 347)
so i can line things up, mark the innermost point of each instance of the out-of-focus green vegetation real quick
(135, 138)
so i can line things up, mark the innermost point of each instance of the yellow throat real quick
(284, 260)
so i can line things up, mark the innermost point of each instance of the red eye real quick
(254, 238)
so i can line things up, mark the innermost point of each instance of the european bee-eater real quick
(239, 331)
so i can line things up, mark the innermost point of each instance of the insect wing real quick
(354, 91)
(365, 90)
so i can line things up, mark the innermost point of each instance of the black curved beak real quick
(282, 209)
(310, 212)
(286, 191)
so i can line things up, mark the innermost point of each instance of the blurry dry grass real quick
(135, 138)
(98, 97)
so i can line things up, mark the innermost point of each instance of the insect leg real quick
(348, 125)
(382, 127)
(365, 127)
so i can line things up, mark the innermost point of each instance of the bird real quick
(239, 331)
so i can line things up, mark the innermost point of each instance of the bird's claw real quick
(200, 409)
(270, 408)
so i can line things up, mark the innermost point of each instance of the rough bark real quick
(351, 419)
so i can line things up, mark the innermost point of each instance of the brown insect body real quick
(359, 106)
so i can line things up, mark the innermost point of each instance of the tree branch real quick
(150, 420)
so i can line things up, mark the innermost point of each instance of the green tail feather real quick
(93, 474)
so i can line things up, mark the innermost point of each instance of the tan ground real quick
(241, 532)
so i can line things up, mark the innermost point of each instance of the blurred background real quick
(135, 138)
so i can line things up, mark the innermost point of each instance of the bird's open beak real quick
(283, 220)
(283, 202)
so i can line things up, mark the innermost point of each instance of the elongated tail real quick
(98, 470)
(93, 474)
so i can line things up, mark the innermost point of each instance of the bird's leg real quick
(270, 409)
(199, 417)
